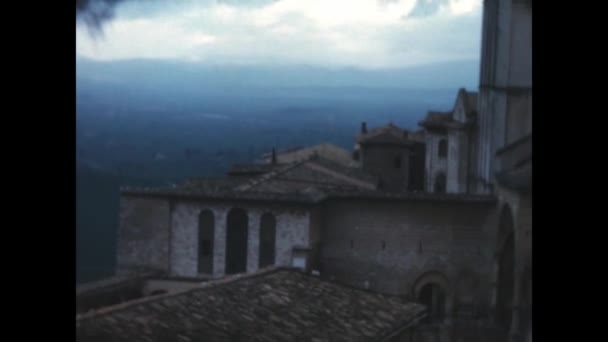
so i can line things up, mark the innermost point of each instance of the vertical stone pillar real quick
(253, 241)
(219, 243)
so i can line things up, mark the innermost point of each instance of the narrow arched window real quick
(268, 225)
(206, 232)
(237, 227)
(442, 151)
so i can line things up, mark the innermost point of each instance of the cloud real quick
(425, 8)
(362, 33)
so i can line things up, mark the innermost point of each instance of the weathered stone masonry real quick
(174, 247)
(389, 247)
(143, 234)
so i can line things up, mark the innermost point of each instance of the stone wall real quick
(520, 207)
(505, 94)
(434, 164)
(391, 246)
(457, 159)
(316, 224)
(143, 235)
(292, 229)
(380, 161)
(492, 133)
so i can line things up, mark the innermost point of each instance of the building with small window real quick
(441, 216)
(452, 142)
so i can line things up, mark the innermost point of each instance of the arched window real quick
(237, 224)
(442, 151)
(206, 233)
(440, 183)
(268, 225)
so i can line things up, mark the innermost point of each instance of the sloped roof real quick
(469, 101)
(305, 181)
(277, 304)
(445, 119)
(436, 119)
(389, 134)
(250, 169)
(327, 151)
(313, 172)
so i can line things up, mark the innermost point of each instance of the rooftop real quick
(250, 169)
(276, 304)
(470, 100)
(308, 181)
(435, 119)
(389, 134)
(325, 150)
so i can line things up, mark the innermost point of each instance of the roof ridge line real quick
(204, 285)
(273, 174)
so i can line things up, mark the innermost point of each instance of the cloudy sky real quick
(353, 33)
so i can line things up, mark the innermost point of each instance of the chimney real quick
(274, 156)
(363, 127)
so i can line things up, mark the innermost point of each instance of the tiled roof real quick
(325, 150)
(412, 196)
(198, 194)
(111, 282)
(271, 305)
(250, 169)
(353, 172)
(435, 119)
(312, 195)
(389, 134)
(305, 181)
(308, 181)
(210, 184)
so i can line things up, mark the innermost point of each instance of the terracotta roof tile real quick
(273, 305)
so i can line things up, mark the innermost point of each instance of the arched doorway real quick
(431, 290)
(236, 241)
(268, 225)
(206, 233)
(506, 269)
(433, 297)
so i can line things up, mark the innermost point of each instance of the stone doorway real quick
(433, 296)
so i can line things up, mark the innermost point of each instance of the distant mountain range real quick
(131, 112)
(187, 76)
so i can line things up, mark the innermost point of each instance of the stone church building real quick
(441, 216)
